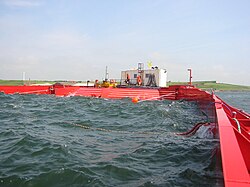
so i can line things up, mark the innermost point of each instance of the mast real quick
(106, 73)
(190, 76)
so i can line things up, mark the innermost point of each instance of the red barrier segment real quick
(172, 92)
(175, 92)
(234, 147)
(26, 89)
(118, 93)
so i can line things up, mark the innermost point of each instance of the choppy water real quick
(239, 100)
(76, 141)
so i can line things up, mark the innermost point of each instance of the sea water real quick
(76, 141)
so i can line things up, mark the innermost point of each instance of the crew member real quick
(128, 79)
(139, 81)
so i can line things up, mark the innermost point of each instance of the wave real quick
(75, 141)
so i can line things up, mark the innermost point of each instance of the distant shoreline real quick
(213, 85)
(204, 85)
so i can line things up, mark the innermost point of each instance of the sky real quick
(77, 39)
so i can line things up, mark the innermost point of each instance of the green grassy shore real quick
(21, 82)
(208, 85)
(205, 85)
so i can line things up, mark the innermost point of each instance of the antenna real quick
(190, 76)
(106, 73)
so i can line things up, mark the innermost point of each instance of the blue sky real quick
(76, 39)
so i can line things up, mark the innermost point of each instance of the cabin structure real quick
(152, 77)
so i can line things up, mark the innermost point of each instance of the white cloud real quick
(23, 3)
(64, 39)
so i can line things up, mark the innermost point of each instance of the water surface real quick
(75, 141)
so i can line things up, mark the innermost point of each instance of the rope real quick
(115, 131)
(238, 124)
(193, 130)
(71, 94)
(158, 97)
